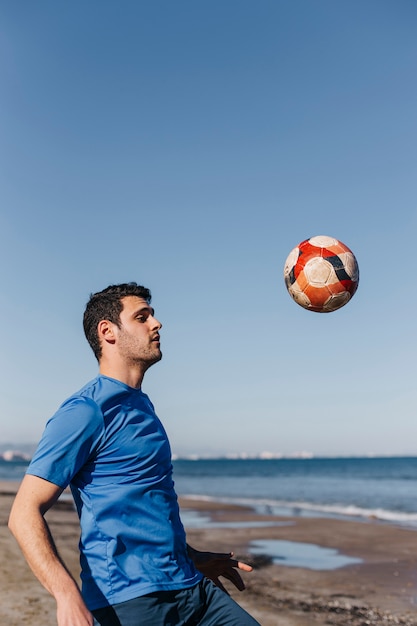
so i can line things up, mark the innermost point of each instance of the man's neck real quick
(131, 376)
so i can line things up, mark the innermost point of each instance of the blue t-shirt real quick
(107, 443)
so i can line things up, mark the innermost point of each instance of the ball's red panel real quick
(318, 296)
(340, 287)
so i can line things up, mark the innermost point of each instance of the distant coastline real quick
(13, 456)
(24, 452)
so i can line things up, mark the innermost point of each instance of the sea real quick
(381, 489)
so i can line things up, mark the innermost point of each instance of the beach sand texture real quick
(381, 590)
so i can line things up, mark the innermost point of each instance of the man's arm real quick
(27, 523)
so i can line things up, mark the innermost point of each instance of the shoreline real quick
(381, 589)
(297, 510)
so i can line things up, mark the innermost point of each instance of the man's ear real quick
(105, 331)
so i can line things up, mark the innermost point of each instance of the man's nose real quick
(156, 323)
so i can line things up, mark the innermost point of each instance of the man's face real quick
(138, 336)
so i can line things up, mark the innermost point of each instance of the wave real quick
(310, 509)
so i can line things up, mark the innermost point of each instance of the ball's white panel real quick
(321, 241)
(336, 301)
(319, 272)
(350, 264)
(299, 296)
(291, 260)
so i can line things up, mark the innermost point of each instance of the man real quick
(106, 442)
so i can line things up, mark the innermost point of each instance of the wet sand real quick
(380, 590)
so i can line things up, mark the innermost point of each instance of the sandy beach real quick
(379, 590)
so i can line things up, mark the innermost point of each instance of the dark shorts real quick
(202, 605)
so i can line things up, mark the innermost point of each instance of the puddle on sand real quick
(296, 554)
(194, 519)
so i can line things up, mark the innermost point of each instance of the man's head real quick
(107, 305)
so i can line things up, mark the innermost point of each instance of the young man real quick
(106, 442)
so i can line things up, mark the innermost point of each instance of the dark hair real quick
(107, 305)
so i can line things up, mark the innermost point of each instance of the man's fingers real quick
(235, 578)
(219, 584)
(243, 566)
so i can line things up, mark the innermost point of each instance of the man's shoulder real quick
(88, 390)
(95, 391)
(95, 395)
(82, 397)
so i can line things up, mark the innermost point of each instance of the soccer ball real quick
(321, 274)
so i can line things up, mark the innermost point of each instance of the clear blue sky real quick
(190, 146)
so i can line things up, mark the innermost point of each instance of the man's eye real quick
(141, 318)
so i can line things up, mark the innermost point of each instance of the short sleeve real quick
(69, 439)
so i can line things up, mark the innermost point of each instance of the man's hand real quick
(71, 611)
(215, 564)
